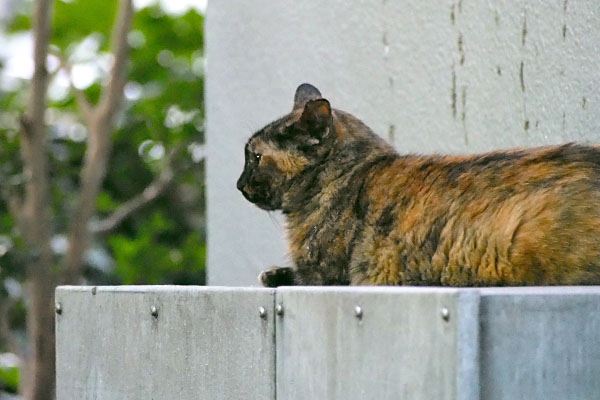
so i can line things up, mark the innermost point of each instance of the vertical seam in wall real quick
(468, 346)
(274, 316)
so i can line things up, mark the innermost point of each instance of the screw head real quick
(58, 308)
(262, 312)
(445, 314)
(358, 312)
(154, 311)
(279, 309)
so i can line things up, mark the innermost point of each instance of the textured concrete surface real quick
(205, 343)
(210, 343)
(444, 76)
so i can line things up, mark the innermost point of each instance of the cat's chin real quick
(266, 207)
(263, 204)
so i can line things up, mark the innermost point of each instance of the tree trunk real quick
(35, 215)
(36, 220)
(40, 381)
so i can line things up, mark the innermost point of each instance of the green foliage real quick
(164, 242)
(21, 22)
(163, 65)
(156, 255)
(74, 20)
(9, 376)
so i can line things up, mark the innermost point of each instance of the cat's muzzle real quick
(260, 198)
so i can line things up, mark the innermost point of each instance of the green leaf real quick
(106, 203)
(10, 379)
(74, 20)
(21, 22)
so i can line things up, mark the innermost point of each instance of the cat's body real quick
(359, 213)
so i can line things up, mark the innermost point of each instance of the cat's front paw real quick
(276, 276)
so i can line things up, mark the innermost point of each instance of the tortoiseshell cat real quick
(359, 213)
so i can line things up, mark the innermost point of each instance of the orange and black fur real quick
(359, 213)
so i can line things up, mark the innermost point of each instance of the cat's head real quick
(281, 151)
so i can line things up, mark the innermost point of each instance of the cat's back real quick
(564, 168)
(523, 216)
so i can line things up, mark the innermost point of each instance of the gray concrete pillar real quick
(452, 76)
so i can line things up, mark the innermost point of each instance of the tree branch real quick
(98, 145)
(82, 102)
(26, 128)
(111, 97)
(149, 194)
(39, 81)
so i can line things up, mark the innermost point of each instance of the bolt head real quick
(58, 308)
(445, 314)
(358, 312)
(262, 312)
(154, 311)
(279, 309)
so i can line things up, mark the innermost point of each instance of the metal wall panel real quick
(403, 343)
(540, 343)
(402, 347)
(205, 343)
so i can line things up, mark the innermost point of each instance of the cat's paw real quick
(276, 276)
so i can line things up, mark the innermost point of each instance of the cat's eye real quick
(257, 157)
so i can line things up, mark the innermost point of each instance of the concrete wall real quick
(429, 76)
(406, 343)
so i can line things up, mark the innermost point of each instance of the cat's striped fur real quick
(359, 213)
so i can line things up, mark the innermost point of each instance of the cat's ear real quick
(305, 93)
(316, 118)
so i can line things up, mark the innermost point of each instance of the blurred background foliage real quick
(162, 243)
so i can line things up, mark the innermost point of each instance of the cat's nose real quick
(240, 184)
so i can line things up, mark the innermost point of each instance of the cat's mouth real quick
(262, 200)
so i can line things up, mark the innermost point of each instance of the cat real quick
(359, 213)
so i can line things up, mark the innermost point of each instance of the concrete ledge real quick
(172, 342)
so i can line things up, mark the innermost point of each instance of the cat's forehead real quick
(258, 142)
(269, 133)
(278, 126)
